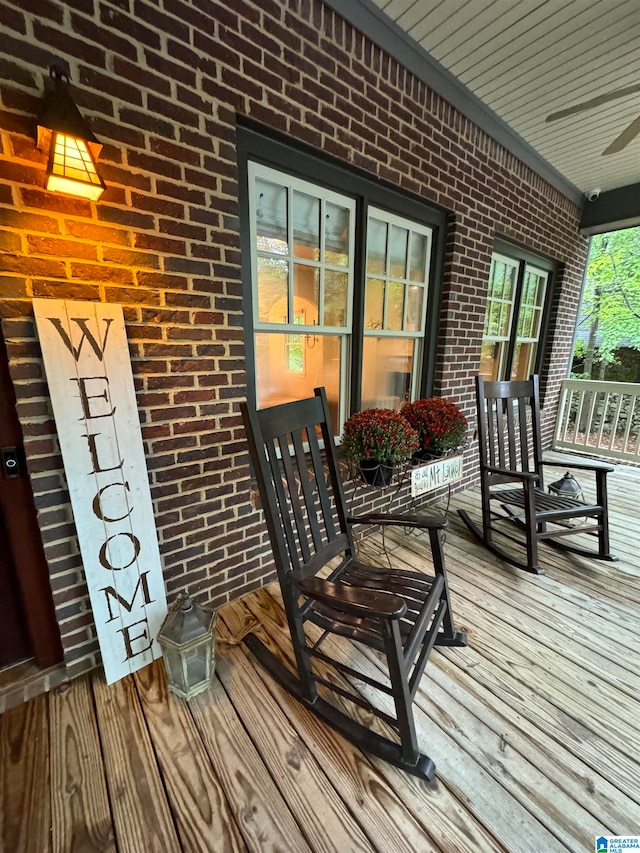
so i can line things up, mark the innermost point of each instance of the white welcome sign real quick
(426, 478)
(86, 358)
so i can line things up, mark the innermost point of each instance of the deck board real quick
(25, 816)
(204, 819)
(142, 817)
(534, 727)
(261, 812)
(81, 814)
(324, 815)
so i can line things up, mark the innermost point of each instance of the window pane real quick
(490, 359)
(288, 369)
(497, 319)
(273, 280)
(395, 306)
(374, 304)
(419, 257)
(414, 308)
(526, 323)
(306, 226)
(523, 360)
(496, 286)
(336, 290)
(398, 251)
(271, 217)
(387, 367)
(376, 247)
(306, 292)
(505, 319)
(337, 224)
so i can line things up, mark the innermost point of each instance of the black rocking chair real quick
(400, 614)
(510, 450)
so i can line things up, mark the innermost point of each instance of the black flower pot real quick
(376, 473)
(427, 455)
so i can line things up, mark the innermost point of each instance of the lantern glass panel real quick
(173, 661)
(196, 665)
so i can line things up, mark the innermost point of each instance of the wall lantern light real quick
(567, 487)
(73, 149)
(187, 641)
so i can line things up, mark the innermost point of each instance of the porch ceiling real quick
(526, 60)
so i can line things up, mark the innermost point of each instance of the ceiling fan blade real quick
(594, 102)
(627, 136)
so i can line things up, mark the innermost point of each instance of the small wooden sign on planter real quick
(86, 358)
(432, 475)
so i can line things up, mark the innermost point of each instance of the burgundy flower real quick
(381, 434)
(440, 423)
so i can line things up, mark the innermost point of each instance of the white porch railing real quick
(601, 418)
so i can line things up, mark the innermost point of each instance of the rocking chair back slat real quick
(309, 484)
(325, 487)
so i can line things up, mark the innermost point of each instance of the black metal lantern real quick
(567, 487)
(73, 149)
(187, 641)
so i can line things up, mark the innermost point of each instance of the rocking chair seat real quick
(397, 613)
(548, 507)
(417, 595)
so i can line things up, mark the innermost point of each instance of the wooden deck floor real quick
(534, 728)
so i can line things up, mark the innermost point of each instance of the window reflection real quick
(387, 372)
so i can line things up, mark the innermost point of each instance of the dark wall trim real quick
(368, 19)
(614, 209)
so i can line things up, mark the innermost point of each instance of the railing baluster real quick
(616, 420)
(592, 408)
(576, 423)
(603, 421)
(627, 432)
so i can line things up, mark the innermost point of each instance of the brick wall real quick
(162, 88)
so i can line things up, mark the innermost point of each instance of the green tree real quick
(611, 299)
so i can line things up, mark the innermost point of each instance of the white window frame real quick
(418, 336)
(538, 310)
(291, 184)
(511, 340)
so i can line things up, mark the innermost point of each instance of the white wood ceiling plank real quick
(491, 27)
(598, 75)
(597, 123)
(554, 98)
(460, 25)
(419, 12)
(395, 8)
(588, 176)
(583, 144)
(590, 147)
(526, 39)
(577, 50)
(437, 16)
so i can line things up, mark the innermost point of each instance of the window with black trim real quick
(341, 278)
(516, 316)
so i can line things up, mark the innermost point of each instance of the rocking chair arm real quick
(580, 465)
(426, 522)
(516, 475)
(350, 599)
